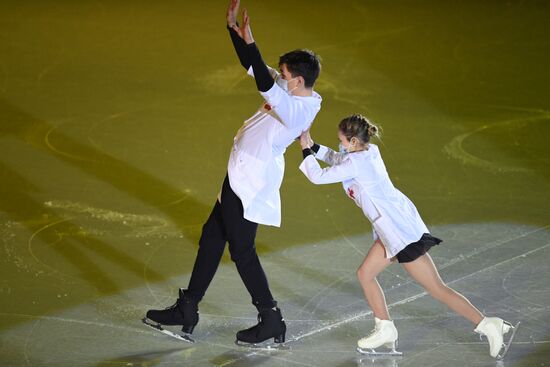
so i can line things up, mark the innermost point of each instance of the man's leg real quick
(241, 234)
(211, 246)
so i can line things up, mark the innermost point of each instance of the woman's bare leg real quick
(423, 270)
(374, 263)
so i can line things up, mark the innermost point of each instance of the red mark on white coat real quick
(351, 193)
(267, 106)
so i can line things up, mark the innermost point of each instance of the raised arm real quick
(246, 48)
(232, 26)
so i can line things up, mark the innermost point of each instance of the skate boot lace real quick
(374, 331)
(173, 306)
(481, 335)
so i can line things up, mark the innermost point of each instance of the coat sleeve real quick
(329, 156)
(240, 48)
(262, 75)
(343, 171)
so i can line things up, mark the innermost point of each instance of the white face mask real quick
(342, 148)
(283, 83)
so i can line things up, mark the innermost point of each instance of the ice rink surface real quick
(116, 121)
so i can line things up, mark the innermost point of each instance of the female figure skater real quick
(399, 232)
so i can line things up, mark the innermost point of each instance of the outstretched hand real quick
(244, 30)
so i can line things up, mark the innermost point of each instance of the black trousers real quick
(227, 224)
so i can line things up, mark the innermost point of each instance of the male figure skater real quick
(250, 191)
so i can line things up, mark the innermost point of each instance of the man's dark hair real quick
(304, 63)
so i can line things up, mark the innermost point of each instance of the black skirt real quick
(416, 249)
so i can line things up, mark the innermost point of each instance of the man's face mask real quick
(284, 83)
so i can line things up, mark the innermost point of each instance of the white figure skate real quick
(384, 334)
(494, 329)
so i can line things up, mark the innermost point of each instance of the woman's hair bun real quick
(373, 130)
(359, 126)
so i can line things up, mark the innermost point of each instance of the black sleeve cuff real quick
(264, 80)
(240, 47)
(307, 152)
(315, 147)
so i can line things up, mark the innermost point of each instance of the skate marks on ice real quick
(128, 224)
(304, 333)
(513, 127)
(325, 332)
(74, 220)
(507, 268)
(65, 330)
(66, 136)
(312, 333)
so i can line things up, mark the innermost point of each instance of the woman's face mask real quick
(350, 148)
(342, 148)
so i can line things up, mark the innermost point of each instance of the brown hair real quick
(360, 127)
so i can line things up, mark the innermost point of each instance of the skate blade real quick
(266, 346)
(509, 342)
(158, 327)
(375, 353)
